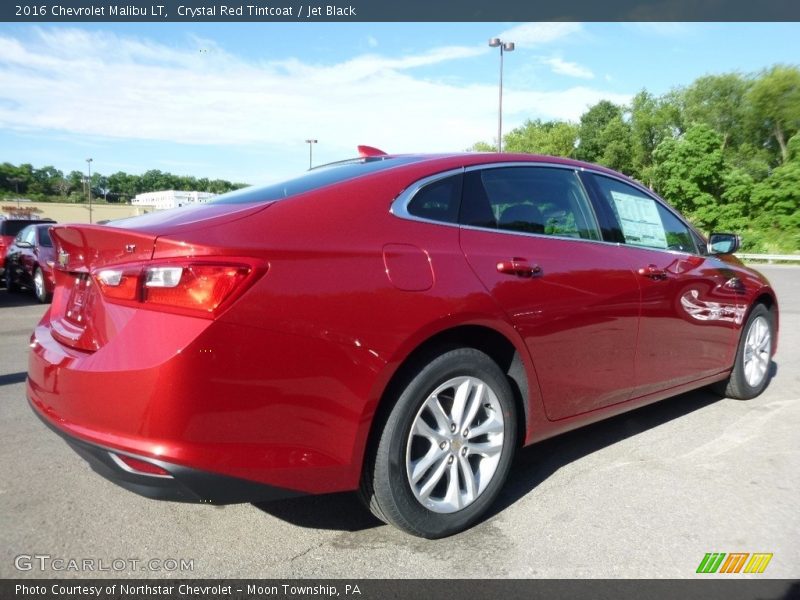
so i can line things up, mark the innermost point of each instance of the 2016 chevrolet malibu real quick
(394, 324)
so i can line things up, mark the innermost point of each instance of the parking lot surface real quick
(646, 494)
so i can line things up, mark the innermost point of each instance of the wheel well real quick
(766, 300)
(488, 341)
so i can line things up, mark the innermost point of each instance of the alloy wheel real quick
(756, 353)
(455, 444)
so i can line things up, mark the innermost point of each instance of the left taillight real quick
(197, 288)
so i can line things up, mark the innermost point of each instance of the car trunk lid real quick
(80, 316)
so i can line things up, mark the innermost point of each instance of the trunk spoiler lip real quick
(130, 236)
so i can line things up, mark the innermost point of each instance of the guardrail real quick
(771, 258)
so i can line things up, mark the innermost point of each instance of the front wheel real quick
(751, 369)
(446, 448)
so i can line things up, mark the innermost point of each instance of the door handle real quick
(653, 272)
(519, 267)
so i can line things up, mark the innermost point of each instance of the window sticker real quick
(641, 223)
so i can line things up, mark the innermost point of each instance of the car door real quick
(531, 236)
(691, 303)
(27, 255)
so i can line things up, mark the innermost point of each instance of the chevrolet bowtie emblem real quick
(63, 258)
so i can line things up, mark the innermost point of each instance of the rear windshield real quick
(314, 179)
(13, 227)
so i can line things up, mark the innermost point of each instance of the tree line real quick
(724, 150)
(49, 184)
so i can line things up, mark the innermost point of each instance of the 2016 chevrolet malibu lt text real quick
(393, 324)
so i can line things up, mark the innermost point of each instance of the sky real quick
(237, 101)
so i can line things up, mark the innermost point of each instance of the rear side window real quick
(438, 201)
(643, 220)
(539, 200)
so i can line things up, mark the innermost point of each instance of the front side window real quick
(642, 219)
(541, 200)
(29, 235)
(23, 235)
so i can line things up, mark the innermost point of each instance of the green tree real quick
(593, 123)
(652, 120)
(554, 138)
(775, 97)
(719, 101)
(776, 200)
(476, 147)
(688, 173)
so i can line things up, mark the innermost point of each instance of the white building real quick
(171, 199)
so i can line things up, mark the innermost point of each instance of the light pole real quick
(310, 146)
(16, 181)
(504, 47)
(89, 186)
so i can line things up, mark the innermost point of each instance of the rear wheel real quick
(751, 369)
(39, 287)
(446, 447)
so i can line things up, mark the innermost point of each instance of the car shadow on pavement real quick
(532, 465)
(12, 378)
(342, 512)
(17, 299)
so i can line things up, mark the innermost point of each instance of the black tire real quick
(387, 486)
(11, 284)
(743, 384)
(40, 290)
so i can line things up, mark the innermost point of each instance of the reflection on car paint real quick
(703, 310)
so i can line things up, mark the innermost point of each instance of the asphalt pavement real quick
(646, 494)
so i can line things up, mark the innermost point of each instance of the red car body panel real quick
(283, 384)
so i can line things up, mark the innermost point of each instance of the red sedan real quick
(394, 324)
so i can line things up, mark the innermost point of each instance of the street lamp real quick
(504, 47)
(89, 186)
(310, 146)
(16, 181)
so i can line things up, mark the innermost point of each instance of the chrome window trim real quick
(399, 206)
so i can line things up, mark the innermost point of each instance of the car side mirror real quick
(21, 244)
(723, 243)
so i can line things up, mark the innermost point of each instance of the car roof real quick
(478, 158)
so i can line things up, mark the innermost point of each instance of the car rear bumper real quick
(219, 398)
(184, 484)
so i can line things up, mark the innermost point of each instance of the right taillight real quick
(196, 288)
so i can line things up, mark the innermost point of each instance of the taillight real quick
(197, 288)
(119, 284)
